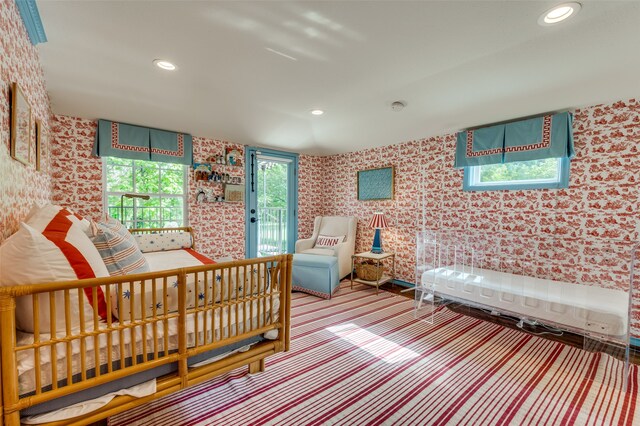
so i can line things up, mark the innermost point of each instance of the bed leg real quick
(256, 366)
(12, 419)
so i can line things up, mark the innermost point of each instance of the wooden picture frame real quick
(20, 126)
(234, 193)
(376, 184)
(41, 140)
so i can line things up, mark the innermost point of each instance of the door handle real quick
(254, 220)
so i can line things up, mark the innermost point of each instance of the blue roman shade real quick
(549, 136)
(142, 143)
(481, 146)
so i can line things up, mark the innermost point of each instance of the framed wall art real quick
(41, 140)
(376, 184)
(20, 125)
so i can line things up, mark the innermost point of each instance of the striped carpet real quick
(363, 359)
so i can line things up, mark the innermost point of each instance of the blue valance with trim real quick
(142, 143)
(549, 136)
(481, 146)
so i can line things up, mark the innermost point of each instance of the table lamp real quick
(122, 197)
(378, 222)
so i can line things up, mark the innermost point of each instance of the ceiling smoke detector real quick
(397, 105)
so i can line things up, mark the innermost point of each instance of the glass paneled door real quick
(272, 202)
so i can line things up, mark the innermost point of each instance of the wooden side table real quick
(367, 255)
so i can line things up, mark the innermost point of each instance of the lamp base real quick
(377, 243)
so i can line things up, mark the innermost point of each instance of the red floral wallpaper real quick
(73, 166)
(311, 192)
(20, 185)
(582, 234)
(219, 227)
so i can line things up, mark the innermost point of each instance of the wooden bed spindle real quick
(132, 322)
(154, 312)
(286, 317)
(9, 361)
(165, 320)
(67, 322)
(236, 298)
(109, 326)
(96, 329)
(53, 348)
(182, 328)
(121, 309)
(36, 341)
(196, 308)
(83, 343)
(143, 317)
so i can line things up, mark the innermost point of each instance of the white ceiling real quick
(456, 64)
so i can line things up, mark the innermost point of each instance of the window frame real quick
(184, 196)
(473, 172)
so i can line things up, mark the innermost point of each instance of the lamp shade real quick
(378, 221)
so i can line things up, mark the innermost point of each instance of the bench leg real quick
(256, 367)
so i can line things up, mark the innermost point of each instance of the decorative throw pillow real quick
(40, 217)
(120, 254)
(163, 241)
(325, 241)
(62, 252)
(117, 226)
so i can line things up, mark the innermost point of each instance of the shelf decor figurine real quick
(378, 222)
(233, 157)
(202, 171)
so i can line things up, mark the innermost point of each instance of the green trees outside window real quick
(164, 183)
(536, 174)
(519, 171)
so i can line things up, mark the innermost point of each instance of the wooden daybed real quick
(250, 298)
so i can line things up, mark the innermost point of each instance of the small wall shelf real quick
(221, 178)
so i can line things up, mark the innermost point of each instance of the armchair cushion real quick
(320, 251)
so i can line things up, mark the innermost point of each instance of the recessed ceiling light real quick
(165, 65)
(559, 13)
(317, 112)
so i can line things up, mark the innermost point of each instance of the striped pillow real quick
(120, 254)
(60, 252)
(116, 226)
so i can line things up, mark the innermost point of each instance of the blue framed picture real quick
(376, 184)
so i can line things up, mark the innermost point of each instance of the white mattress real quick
(158, 261)
(218, 282)
(26, 359)
(597, 311)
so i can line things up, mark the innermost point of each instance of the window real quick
(164, 183)
(535, 174)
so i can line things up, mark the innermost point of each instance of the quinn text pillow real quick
(325, 241)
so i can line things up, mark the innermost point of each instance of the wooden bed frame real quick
(270, 285)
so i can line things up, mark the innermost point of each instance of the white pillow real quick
(163, 241)
(40, 217)
(63, 252)
(325, 241)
